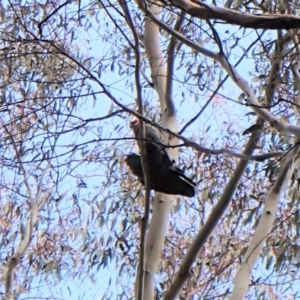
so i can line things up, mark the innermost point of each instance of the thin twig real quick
(145, 220)
(50, 16)
(170, 65)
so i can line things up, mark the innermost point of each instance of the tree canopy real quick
(219, 80)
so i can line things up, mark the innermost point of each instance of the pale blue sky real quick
(186, 110)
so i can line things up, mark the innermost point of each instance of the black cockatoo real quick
(163, 175)
(155, 144)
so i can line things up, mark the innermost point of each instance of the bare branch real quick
(204, 11)
(170, 65)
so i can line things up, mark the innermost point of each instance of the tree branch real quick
(264, 226)
(202, 10)
(280, 125)
(144, 222)
(192, 253)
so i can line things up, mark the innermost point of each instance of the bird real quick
(254, 128)
(161, 178)
(164, 176)
(155, 144)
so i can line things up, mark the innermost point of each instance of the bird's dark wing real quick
(162, 178)
(133, 161)
(180, 173)
(254, 128)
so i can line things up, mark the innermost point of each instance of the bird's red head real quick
(134, 123)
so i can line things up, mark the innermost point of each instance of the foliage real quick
(64, 68)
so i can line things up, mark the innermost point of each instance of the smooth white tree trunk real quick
(162, 203)
(264, 227)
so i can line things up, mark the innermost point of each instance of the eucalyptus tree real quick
(219, 81)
